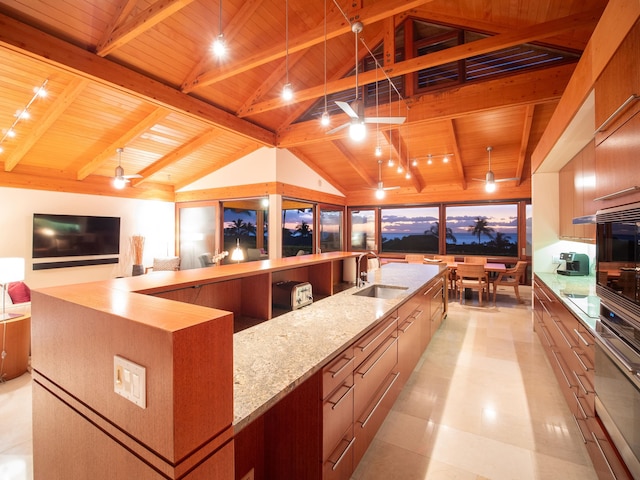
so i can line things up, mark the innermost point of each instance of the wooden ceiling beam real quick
(524, 144)
(62, 102)
(534, 87)
(148, 122)
(453, 54)
(63, 56)
(139, 24)
(457, 158)
(400, 147)
(177, 155)
(368, 15)
(357, 165)
(122, 12)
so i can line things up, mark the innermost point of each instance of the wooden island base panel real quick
(299, 395)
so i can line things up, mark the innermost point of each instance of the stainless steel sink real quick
(381, 291)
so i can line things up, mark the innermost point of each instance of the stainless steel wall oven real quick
(617, 368)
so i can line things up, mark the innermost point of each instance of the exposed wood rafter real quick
(457, 157)
(526, 133)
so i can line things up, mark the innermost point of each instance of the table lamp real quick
(11, 270)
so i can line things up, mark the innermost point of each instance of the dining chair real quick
(414, 258)
(512, 277)
(472, 276)
(475, 259)
(451, 273)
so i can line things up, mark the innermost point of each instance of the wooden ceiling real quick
(139, 74)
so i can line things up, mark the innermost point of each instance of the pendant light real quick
(219, 46)
(490, 183)
(287, 90)
(325, 120)
(357, 129)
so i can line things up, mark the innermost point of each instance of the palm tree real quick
(502, 241)
(481, 227)
(434, 230)
(237, 228)
(303, 230)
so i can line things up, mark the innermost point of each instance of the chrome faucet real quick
(362, 277)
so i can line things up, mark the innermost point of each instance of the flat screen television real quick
(74, 235)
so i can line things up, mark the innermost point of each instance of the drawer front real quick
(337, 416)
(372, 340)
(372, 372)
(335, 373)
(369, 421)
(340, 463)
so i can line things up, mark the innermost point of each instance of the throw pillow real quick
(19, 292)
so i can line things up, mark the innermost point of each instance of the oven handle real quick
(614, 351)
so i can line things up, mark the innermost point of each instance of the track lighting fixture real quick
(23, 114)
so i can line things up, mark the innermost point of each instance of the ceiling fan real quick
(490, 180)
(120, 179)
(380, 189)
(355, 109)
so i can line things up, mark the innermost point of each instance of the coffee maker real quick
(574, 264)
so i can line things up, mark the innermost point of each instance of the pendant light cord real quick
(286, 37)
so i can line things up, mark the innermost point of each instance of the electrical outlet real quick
(248, 476)
(130, 381)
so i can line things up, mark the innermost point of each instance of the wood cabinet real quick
(577, 187)
(323, 427)
(617, 94)
(570, 348)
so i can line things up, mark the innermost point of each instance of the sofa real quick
(15, 333)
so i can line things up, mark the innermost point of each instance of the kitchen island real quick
(195, 365)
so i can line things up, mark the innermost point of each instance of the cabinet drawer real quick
(372, 340)
(340, 463)
(337, 416)
(334, 373)
(369, 421)
(371, 373)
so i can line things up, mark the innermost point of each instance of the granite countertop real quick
(275, 356)
(578, 294)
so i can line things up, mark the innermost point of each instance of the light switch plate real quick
(130, 381)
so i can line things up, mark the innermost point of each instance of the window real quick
(297, 227)
(197, 234)
(331, 230)
(363, 230)
(528, 234)
(410, 229)
(482, 230)
(245, 221)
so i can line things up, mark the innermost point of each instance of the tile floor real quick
(481, 404)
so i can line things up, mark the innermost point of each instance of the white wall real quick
(265, 165)
(152, 219)
(546, 225)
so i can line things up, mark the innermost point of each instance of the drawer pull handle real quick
(582, 410)
(582, 364)
(417, 314)
(395, 340)
(404, 330)
(606, 460)
(344, 452)
(382, 332)
(584, 389)
(586, 344)
(619, 193)
(373, 410)
(624, 105)
(543, 328)
(575, 419)
(566, 379)
(558, 325)
(335, 404)
(337, 372)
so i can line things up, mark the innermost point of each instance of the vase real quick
(137, 270)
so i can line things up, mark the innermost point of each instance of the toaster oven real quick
(291, 294)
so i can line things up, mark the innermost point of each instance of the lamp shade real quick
(11, 269)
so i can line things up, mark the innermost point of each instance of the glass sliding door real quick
(197, 235)
(331, 229)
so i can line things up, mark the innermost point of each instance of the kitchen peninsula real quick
(195, 365)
